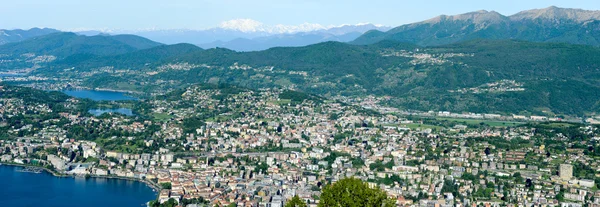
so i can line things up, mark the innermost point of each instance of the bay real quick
(44, 189)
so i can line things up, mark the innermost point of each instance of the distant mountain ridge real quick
(8, 36)
(344, 33)
(550, 24)
(252, 40)
(284, 40)
(64, 44)
(555, 13)
(246, 35)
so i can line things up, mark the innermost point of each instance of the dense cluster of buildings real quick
(253, 148)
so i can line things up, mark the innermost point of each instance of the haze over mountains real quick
(239, 35)
(254, 37)
(251, 35)
(551, 24)
(7, 36)
(534, 62)
(345, 33)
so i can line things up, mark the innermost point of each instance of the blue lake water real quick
(124, 111)
(44, 189)
(99, 95)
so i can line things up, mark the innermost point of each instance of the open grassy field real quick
(161, 116)
(486, 122)
(283, 101)
(422, 126)
(557, 124)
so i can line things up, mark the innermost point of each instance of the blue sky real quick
(199, 14)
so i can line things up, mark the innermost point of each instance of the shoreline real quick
(148, 183)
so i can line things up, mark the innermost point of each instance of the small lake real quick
(124, 111)
(44, 189)
(99, 95)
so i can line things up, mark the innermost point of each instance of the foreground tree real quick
(353, 192)
(170, 203)
(295, 202)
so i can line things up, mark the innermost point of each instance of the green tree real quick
(353, 192)
(518, 178)
(154, 203)
(469, 176)
(165, 185)
(295, 202)
(170, 203)
(560, 196)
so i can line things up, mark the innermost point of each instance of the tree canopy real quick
(353, 192)
(295, 202)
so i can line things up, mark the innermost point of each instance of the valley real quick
(473, 109)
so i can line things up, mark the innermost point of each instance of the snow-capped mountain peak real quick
(243, 25)
(250, 25)
(305, 27)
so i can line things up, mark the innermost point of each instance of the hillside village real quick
(232, 146)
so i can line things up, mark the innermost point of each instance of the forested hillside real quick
(550, 24)
(64, 44)
(491, 76)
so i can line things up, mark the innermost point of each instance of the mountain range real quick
(64, 44)
(250, 35)
(345, 33)
(551, 24)
(470, 68)
(251, 38)
(8, 36)
(287, 40)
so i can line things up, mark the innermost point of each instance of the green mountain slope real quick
(139, 58)
(553, 75)
(8, 36)
(491, 76)
(329, 59)
(543, 25)
(65, 44)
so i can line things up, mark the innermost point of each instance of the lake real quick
(124, 111)
(99, 95)
(44, 189)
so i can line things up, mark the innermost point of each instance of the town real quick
(228, 146)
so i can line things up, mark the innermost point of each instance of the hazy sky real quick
(199, 14)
